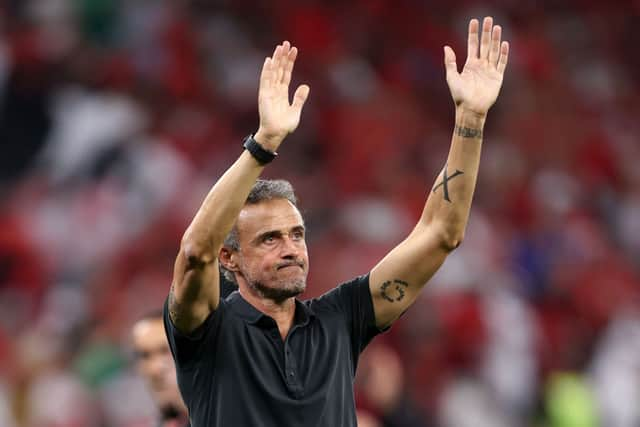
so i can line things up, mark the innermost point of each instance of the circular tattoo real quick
(393, 291)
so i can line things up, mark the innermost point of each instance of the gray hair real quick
(263, 190)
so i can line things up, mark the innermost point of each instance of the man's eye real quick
(298, 235)
(141, 355)
(268, 239)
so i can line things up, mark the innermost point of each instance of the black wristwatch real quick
(258, 152)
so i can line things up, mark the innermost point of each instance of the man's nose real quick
(158, 364)
(290, 246)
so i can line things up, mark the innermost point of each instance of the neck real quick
(282, 312)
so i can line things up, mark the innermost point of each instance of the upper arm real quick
(396, 280)
(195, 290)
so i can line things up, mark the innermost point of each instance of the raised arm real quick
(195, 288)
(396, 281)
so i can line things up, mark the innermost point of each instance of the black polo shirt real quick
(236, 371)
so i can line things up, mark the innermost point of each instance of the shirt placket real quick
(293, 379)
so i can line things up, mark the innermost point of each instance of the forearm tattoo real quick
(466, 132)
(393, 290)
(445, 182)
(174, 307)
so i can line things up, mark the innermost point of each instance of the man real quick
(261, 357)
(154, 364)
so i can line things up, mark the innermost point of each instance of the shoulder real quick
(341, 297)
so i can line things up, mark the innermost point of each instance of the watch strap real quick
(262, 155)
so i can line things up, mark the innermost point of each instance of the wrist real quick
(268, 141)
(262, 155)
(469, 118)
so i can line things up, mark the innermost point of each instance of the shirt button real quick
(291, 374)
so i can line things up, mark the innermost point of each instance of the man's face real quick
(273, 257)
(154, 363)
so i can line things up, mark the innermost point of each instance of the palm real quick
(278, 117)
(275, 111)
(477, 87)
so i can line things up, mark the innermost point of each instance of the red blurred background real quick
(117, 116)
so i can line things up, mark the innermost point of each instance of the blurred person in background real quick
(154, 364)
(366, 419)
(278, 360)
(381, 383)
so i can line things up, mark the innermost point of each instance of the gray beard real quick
(279, 294)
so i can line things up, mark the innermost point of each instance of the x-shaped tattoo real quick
(445, 182)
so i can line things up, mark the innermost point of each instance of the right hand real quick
(278, 118)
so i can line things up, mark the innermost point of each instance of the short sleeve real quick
(188, 349)
(354, 300)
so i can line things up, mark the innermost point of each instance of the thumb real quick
(450, 62)
(300, 97)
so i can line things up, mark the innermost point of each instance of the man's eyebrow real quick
(277, 233)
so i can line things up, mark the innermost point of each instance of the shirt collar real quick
(252, 315)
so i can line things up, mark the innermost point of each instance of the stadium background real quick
(117, 116)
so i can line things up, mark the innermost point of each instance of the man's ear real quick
(227, 259)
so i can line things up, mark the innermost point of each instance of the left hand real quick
(477, 87)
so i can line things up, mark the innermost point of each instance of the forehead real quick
(269, 215)
(148, 333)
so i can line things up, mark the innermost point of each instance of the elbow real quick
(196, 253)
(451, 238)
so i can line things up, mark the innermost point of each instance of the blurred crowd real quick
(117, 116)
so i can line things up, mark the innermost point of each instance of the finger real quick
(275, 54)
(288, 70)
(300, 97)
(485, 40)
(265, 74)
(504, 57)
(276, 64)
(472, 43)
(450, 65)
(284, 60)
(275, 58)
(494, 51)
(285, 49)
